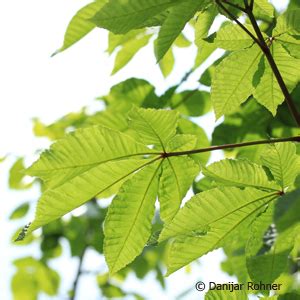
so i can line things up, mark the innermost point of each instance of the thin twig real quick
(78, 274)
(231, 146)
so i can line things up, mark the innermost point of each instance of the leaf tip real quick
(23, 233)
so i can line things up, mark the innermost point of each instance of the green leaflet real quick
(268, 92)
(128, 223)
(131, 91)
(228, 295)
(291, 44)
(80, 25)
(128, 51)
(264, 261)
(211, 205)
(86, 163)
(289, 22)
(283, 162)
(32, 277)
(232, 37)
(204, 22)
(166, 64)
(20, 211)
(181, 142)
(232, 83)
(188, 127)
(155, 127)
(75, 191)
(191, 103)
(16, 176)
(176, 20)
(240, 173)
(121, 16)
(222, 211)
(83, 150)
(177, 176)
(263, 7)
(267, 267)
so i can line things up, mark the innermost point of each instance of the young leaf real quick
(156, 127)
(176, 20)
(207, 220)
(177, 176)
(239, 173)
(128, 223)
(283, 162)
(232, 37)
(121, 16)
(268, 92)
(80, 25)
(232, 83)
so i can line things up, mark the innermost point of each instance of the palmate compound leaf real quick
(176, 20)
(268, 92)
(81, 166)
(232, 82)
(128, 223)
(80, 25)
(205, 222)
(121, 16)
(241, 173)
(283, 162)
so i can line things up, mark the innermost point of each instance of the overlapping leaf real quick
(239, 173)
(177, 176)
(121, 16)
(171, 28)
(128, 223)
(232, 83)
(155, 127)
(283, 162)
(232, 37)
(268, 91)
(208, 219)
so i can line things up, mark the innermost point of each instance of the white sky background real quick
(34, 85)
